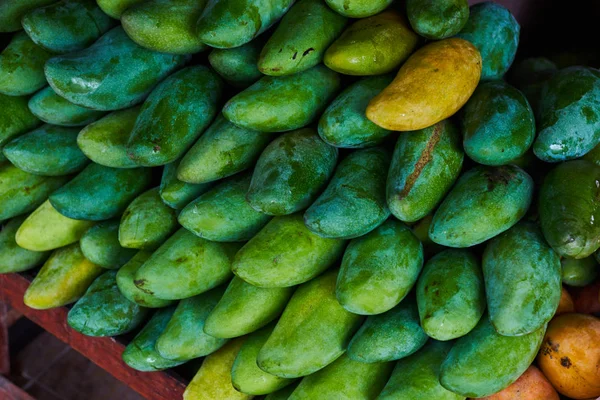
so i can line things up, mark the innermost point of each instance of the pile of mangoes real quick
(327, 199)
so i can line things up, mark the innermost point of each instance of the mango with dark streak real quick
(111, 74)
(358, 8)
(301, 38)
(238, 65)
(14, 258)
(11, 12)
(100, 244)
(175, 193)
(436, 19)
(485, 202)
(53, 109)
(569, 208)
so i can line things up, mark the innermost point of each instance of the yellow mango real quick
(433, 84)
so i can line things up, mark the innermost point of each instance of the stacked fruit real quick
(260, 210)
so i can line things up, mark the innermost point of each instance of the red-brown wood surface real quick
(105, 352)
(8, 391)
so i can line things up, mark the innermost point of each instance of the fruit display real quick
(305, 200)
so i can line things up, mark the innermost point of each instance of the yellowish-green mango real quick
(433, 84)
(358, 8)
(63, 279)
(47, 229)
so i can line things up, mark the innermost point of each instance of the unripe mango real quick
(53, 109)
(14, 258)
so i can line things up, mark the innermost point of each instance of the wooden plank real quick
(9, 391)
(105, 352)
(4, 350)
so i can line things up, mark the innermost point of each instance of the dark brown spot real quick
(295, 55)
(307, 52)
(498, 176)
(180, 259)
(565, 362)
(156, 148)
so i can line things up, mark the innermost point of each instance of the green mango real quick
(238, 65)
(313, 331)
(184, 337)
(530, 75)
(115, 8)
(416, 377)
(497, 123)
(358, 8)
(246, 376)
(15, 119)
(232, 23)
(390, 336)
(22, 66)
(67, 26)
(100, 192)
(580, 272)
(175, 193)
(344, 379)
(166, 26)
(593, 155)
(185, 266)
(245, 308)
(104, 311)
(223, 150)
(285, 253)
(451, 294)
(283, 394)
(568, 207)
(484, 362)
(141, 354)
(568, 123)
(222, 214)
(147, 222)
(63, 279)
(283, 103)
(11, 12)
(522, 280)
(14, 258)
(125, 282)
(104, 141)
(47, 229)
(53, 109)
(379, 269)
(22, 192)
(485, 202)
(111, 74)
(495, 32)
(49, 150)
(353, 204)
(436, 19)
(344, 123)
(372, 46)
(301, 38)
(100, 244)
(425, 165)
(291, 172)
(174, 115)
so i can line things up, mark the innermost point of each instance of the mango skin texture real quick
(522, 280)
(291, 172)
(433, 84)
(435, 19)
(344, 379)
(11, 12)
(100, 244)
(568, 208)
(104, 311)
(111, 74)
(14, 258)
(372, 46)
(313, 331)
(344, 123)
(285, 253)
(485, 362)
(424, 166)
(300, 40)
(99, 192)
(22, 66)
(390, 336)
(16, 119)
(495, 32)
(239, 65)
(579, 272)
(485, 202)
(53, 109)
(379, 269)
(451, 295)
(416, 377)
(115, 8)
(260, 107)
(569, 123)
(497, 124)
(175, 193)
(358, 8)
(67, 25)
(232, 23)
(353, 203)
